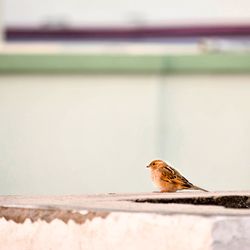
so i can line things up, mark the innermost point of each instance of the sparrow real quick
(168, 179)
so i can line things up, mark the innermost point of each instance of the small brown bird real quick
(167, 179)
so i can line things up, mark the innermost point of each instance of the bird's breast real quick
(162, 183)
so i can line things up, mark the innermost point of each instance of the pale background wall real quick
(115, 12)
(207, 120)
(81, 134)
(91, 134)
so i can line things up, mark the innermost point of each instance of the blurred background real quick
(92, 91)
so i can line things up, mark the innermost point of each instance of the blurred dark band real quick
(123, 33)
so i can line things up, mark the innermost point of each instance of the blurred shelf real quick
(60, 32)
(217, 63)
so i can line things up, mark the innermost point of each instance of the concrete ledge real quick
(164, 203)
(126, 221)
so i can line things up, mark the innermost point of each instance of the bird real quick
(168, 179)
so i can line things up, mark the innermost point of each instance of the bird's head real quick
(156, 164)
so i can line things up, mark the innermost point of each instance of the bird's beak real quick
(147, 166)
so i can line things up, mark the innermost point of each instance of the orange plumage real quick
(167, 179)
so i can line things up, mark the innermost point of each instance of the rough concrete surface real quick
(126, 221)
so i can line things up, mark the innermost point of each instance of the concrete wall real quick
(65, 134)
(118, 222)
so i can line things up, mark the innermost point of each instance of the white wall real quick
(88, 134)
(64, 134)
(115, 12)
(207, 128)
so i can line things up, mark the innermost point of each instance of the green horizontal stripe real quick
(72, 63)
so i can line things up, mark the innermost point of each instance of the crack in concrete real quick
(232, 201)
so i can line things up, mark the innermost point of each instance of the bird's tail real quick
(198, 188)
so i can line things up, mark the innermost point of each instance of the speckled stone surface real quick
(186, 220)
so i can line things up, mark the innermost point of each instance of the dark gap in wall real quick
(233, 201)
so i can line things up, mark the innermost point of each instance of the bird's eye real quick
(154, 163)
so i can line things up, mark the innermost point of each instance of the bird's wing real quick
(173, 176)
